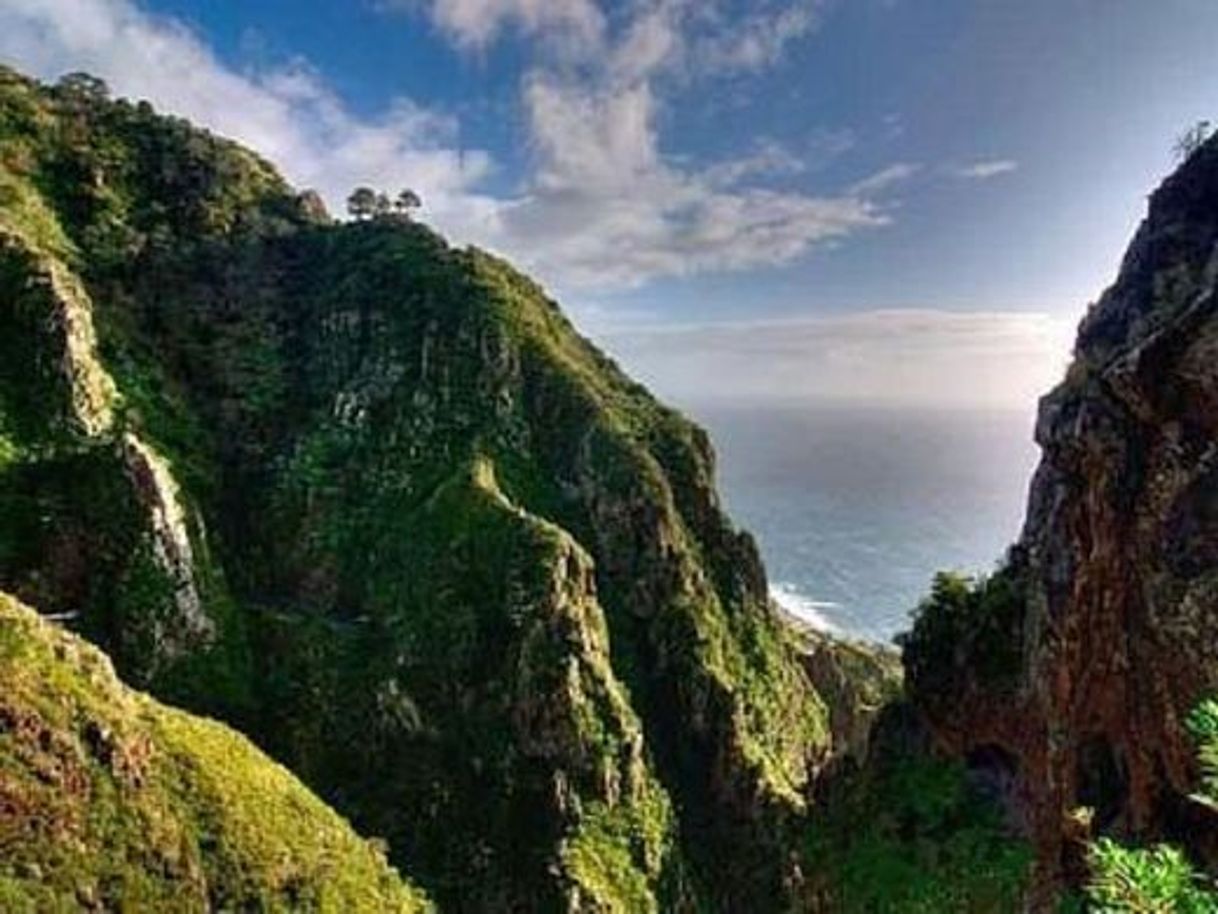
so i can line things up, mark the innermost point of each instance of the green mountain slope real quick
(112, 801)
(371, 499)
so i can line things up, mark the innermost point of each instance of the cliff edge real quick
(1066, 686)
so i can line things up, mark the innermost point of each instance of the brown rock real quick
(1119, 556)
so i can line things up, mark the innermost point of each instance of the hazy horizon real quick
(923, 358)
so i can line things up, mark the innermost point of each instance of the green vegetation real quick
(1160, 879)
(489, 664)
(910, 836)
(1154, 880)
(345, 485)
(110, 800)
(614, 849)
(1192, 140)
(966, 627)
(365, 203)
(1203, 725)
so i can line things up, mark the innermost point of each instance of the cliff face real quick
(1069, 684)
(372, 499)
(857, 681)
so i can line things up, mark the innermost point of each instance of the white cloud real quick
(652, 42)
(654, 34)
(601, 204)
(608, 207)
(761, 38)
(990, 168)
(605, 206)
(901, 357)
(287, 114)
(885, 178)
(477, 23)
(769, 157)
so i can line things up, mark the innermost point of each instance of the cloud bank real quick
(990, 168)
(604, 200)
(895, 357)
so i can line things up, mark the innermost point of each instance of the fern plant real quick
(1154, 880)
(1203, 725)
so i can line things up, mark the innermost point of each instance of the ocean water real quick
(854, 509)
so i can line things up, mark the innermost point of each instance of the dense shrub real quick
(914, 837)
(967, 624)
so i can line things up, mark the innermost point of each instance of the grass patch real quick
(111, 798)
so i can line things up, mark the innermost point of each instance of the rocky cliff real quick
(1066, 680)
(370, 498)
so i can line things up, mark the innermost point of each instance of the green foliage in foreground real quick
(912, 837)
(1160, 879)
(1203, 725)
(111, 801)
(1154, 880)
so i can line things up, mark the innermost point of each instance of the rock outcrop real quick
(1073, 692)
(856, 680)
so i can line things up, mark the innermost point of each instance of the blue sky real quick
(844, 199)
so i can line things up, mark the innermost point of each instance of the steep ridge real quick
(372, 499)
(110, 801)
(1068, 683)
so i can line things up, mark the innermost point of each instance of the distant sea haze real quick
(856, 508)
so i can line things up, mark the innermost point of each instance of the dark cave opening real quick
(993, 773)
(1101, 780)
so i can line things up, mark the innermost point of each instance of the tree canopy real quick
(362, 203)
(1192, 139)
(366, 203)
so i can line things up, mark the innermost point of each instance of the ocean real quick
(855, 509)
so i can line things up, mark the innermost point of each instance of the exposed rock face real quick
(52, 342)
(58, 401)
(168, 535)
(1117, 637)
(856, 680)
